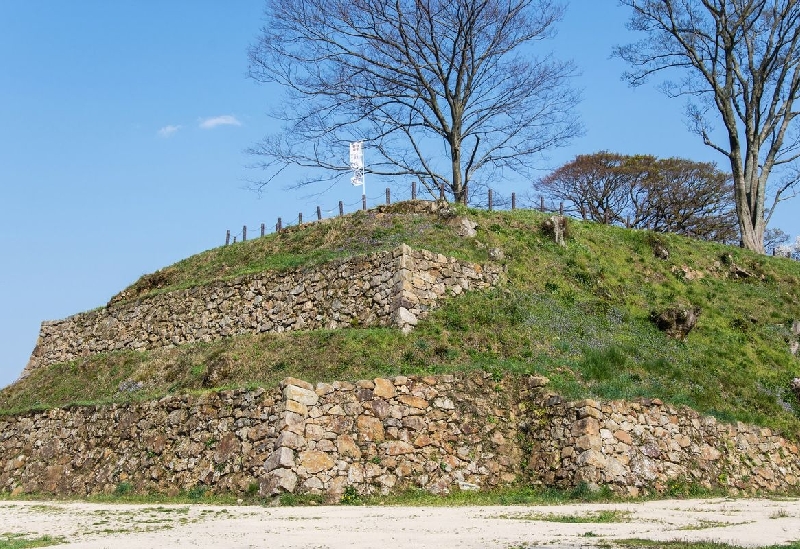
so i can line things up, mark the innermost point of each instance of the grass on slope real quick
(579, 315)
(307, 245)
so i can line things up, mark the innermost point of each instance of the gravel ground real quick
(745, 522)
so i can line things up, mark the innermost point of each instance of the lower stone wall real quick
(173, 444)
(634, 447)
(439, 433)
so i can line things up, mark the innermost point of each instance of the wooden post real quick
(244, 233)
(341, 208)
(561, 209)
(363, 202)
(541, 204)
(388, 196)
(227, 237)
(490, 200)
(413, 190)
(319, 213)
(300, 218)
(513, 201)
(279, 225)
(441, 191)
(234, 240)
(262, 229)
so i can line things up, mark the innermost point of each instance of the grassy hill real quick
(579, 315)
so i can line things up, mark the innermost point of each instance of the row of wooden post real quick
(279, 224)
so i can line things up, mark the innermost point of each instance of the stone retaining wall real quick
(378, 435)
(392, 288)
(636, 446)
(469, 431)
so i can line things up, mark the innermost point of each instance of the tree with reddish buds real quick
(667, 195)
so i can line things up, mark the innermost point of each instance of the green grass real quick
(578, 315)
(24, 541)
(592, 517)
(648, 544)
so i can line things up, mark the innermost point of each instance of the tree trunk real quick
(457, 185)
(751, 217)
(752, 233)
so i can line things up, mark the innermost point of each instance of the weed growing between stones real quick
(350, 496)
(123, 489)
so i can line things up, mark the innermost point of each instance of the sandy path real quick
(751, 522)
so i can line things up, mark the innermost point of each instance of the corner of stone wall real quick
(405, 303)
(292, 411)
(423, 277)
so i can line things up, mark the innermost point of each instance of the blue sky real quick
(123, 125)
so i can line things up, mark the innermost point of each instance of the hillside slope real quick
(579, 314)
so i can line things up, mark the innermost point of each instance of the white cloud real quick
(224, 120)
(167, 131)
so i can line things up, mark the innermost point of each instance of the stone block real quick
(588, 442)
(297, 383)
(278, 481)
(444, 403)
(355, 474)
(623, 437)
(297, 407)
(397, 447)
(384, 388)
(291, 440)
(281, 457)
(370, 428)
(315, 461)
(586, 426)
(380, 408)
(404, 317)
(347, 447)
(707, 453)
(302, 395)
(413, 401)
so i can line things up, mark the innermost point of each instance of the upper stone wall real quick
(392, 288)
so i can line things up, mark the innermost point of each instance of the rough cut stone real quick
(413, 401)
(347, 447)
(314, 461)
(298, 394)
(398, 447)
(370, 428)
(277, 481)
(281, 457)
(384, 388)
(466, 228)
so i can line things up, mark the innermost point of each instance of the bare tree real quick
(437, 89)
(667, 195)
(774, 238)
(739, 58)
